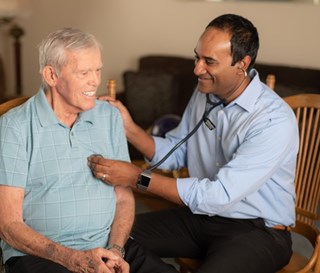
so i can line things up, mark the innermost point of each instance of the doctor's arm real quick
(126, 174)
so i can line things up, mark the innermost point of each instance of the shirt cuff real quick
(184, 187)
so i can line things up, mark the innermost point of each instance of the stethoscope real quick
(204, 120)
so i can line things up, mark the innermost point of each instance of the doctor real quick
(238, 204)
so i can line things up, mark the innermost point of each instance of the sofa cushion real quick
(291, 80)
(182, 68)
(149, 95)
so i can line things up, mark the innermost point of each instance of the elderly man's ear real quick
(49, 75)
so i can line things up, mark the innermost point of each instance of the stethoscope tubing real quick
(191, 133)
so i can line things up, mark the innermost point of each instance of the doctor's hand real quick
(114, 172)
(126, 117)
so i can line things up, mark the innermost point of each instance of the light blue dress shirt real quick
(63, 200)
(245, 167)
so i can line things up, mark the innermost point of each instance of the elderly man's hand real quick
(98, 260)
(114, 172)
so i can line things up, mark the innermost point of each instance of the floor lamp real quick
(17, 32)
(10, 10)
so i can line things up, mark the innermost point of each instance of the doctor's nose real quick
(199, 68)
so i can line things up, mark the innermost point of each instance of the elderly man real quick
(55, 216)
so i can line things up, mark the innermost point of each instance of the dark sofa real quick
(163, 85)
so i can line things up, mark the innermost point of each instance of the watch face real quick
(141, 187)
(144, 180)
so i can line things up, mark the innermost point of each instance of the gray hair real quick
(52, 50)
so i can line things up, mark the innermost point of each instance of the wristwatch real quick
(117, 247)
(144, 180)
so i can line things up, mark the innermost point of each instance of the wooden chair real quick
(5, 107)
(271, 81)
(307, 185)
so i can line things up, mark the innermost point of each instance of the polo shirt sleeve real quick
(13, 163)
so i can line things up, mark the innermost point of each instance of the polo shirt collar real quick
(46, 115)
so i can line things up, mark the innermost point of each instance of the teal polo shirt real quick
(63, 200)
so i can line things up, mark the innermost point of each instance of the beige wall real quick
(289, 32)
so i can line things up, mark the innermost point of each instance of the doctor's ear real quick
(244, 63)
(241, 68)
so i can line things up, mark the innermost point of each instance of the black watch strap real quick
(144, 180)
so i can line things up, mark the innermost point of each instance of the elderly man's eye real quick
(82, 74)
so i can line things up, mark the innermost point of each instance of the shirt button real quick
(71, 134)
(217, 164)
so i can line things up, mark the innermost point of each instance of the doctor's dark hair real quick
(244, 36)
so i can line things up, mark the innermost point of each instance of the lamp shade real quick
(14, 8)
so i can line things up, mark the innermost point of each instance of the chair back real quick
(6, 106)
(307, 181)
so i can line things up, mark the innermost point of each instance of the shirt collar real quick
(46, 115)
(248, 98)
